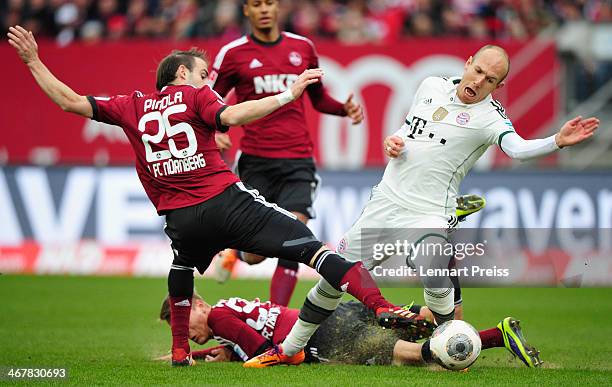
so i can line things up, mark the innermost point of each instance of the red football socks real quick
(282, 285)
(360, 284)
(491, 338)
(180, 309)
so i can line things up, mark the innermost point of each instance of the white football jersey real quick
(443, 139)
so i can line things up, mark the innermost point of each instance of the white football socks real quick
(323, 296)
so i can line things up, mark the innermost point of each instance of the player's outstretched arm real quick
(249, 111)
(571, 133)
(23, 41)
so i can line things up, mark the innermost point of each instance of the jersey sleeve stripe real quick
(300, 37)
(94, 107)
(221, 55)
(501, 136)
(220, 127)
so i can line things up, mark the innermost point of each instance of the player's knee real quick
(459, 312)
(434, 257)
(310, 250)
(300, 245)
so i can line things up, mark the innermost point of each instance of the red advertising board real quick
(383, 78)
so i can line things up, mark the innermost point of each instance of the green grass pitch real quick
(105, 331)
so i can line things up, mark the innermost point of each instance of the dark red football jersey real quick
(256, 70)
(246, 326)
(172, 133)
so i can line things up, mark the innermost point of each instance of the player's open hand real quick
(393, 146)
(24, 43)
(576, 131)
(308, 77)
(219, 355)
(353, 110)
(223, 141)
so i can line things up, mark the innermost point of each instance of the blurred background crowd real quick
(569, 22)
(350, 21)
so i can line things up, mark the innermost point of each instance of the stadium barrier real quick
(98, 221)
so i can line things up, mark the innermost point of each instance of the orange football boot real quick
(275, 356)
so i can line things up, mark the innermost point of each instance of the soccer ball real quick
(455, 345)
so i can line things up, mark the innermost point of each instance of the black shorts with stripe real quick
(238, 218)
(290, 183)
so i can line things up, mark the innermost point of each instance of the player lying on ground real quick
(207, 207)
(349, 336)
(276, 153)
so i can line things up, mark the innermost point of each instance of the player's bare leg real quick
(407, 353)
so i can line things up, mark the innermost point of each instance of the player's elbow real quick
(78, 105)
(317, 105)
(233, 117)
(229, 118)
(518, 155)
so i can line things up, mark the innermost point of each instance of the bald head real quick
(491, 50)
(484, 73)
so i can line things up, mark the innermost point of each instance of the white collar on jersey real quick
(185, 84)
(451, 84)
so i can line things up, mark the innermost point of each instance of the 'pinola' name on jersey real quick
(273, 83)
(161, 104)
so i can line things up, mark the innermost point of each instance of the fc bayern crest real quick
(295, 58)
(463, 118)
(342, 246)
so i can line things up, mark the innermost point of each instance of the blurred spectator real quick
(350, 21)
(353, 27)
(421, 25)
